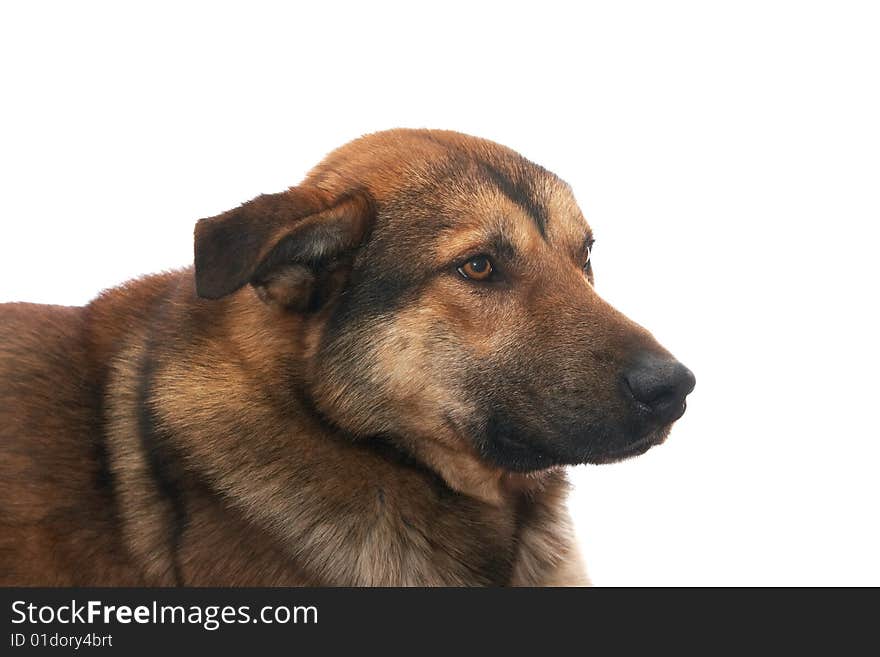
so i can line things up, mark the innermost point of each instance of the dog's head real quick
(445, 294)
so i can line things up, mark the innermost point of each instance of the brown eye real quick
(478, 268)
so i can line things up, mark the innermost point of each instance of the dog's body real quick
(94, 495)
(311, 405)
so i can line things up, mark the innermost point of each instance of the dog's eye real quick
(478, 268)
(587, 259)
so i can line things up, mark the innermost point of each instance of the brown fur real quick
(315, 406)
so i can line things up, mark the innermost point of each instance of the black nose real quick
(659, 384)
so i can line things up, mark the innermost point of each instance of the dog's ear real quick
(282, 244)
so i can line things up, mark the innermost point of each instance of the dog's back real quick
(62, 520)
(54, 475)
(48, 462)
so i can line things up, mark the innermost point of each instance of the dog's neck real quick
(464, 472)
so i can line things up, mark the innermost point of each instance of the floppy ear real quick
(278, 242)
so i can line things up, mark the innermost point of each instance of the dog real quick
(375, 378)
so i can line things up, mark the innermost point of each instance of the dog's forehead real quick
(446, 181)
(522, 203)
(476, 213)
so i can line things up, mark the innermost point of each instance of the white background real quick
(726, 154)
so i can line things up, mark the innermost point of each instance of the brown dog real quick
(371, 379)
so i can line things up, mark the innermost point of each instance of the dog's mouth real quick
(637, 448)
(525, 453)
(515, 453)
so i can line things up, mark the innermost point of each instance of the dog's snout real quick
(659, 385)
